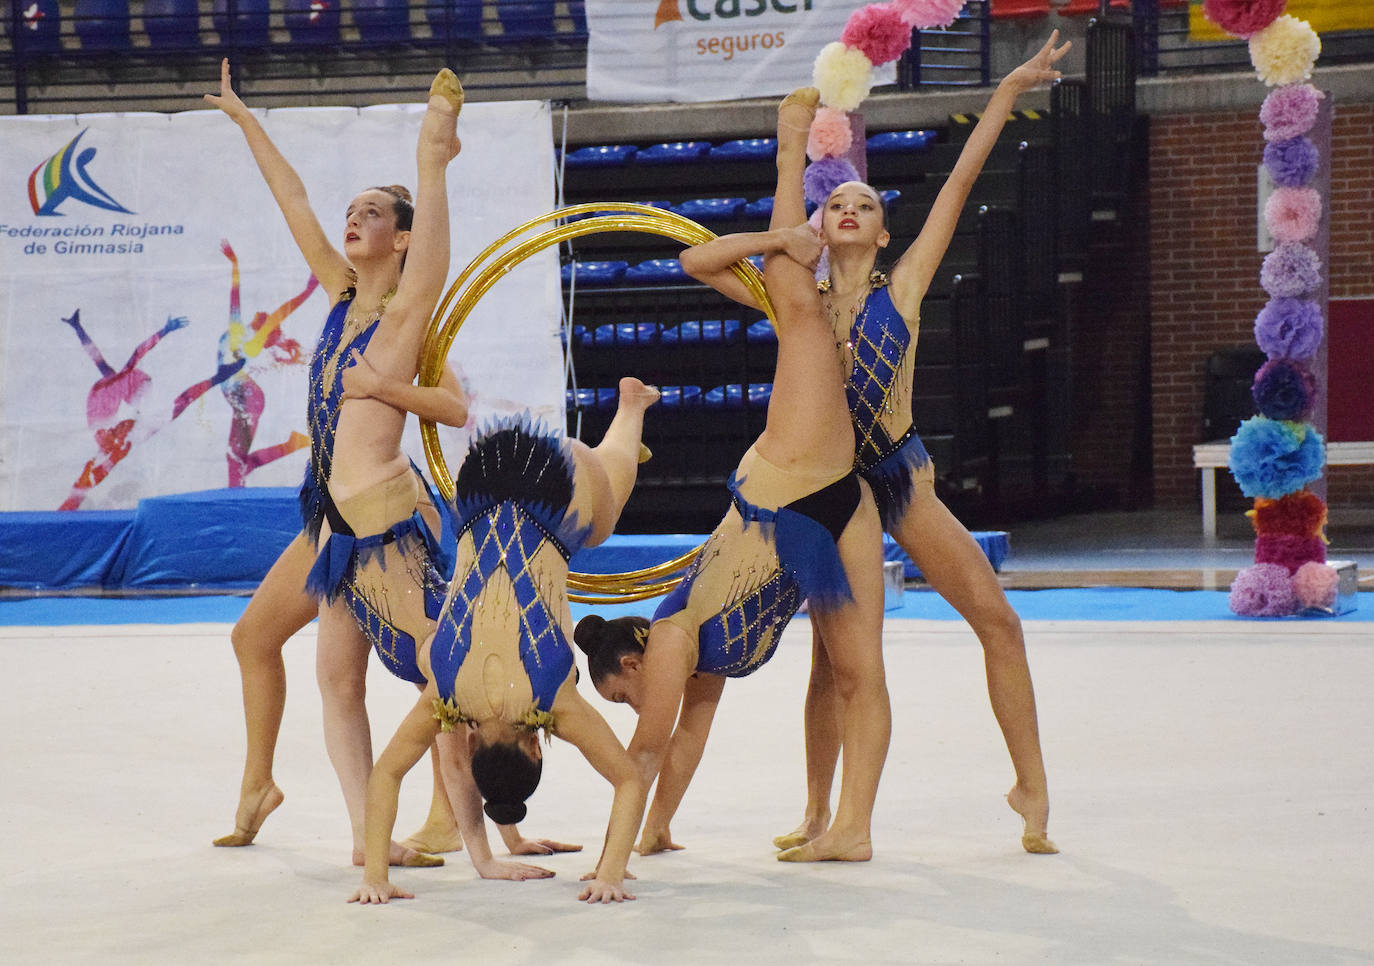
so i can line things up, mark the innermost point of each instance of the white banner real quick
(116, 287)
(709, 50)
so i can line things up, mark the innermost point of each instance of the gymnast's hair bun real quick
(588, 632)
(400, 191)
(505, 813)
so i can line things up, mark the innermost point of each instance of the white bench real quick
(1209, 457)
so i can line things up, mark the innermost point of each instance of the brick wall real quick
(1205, 270)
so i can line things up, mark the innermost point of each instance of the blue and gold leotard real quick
(776, 546)
(382, 557)
(512, 496)
(888, 452)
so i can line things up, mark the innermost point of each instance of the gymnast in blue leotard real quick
(499, 664)
(801, 525)
(358, 279)
(875, 320)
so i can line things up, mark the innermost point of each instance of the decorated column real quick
(1278, 456)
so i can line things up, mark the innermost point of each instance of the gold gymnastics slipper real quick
(447, 86)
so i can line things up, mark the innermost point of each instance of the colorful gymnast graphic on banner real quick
(152, 240)
(708, 50)
(60, 178)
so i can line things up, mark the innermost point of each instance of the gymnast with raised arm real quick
(876, 320)
(800, 525)
(359, 280)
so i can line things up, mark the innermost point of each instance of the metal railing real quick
(105, 55)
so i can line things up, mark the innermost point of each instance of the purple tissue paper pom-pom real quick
(1289, 111)
(1291, 163)
(1284, 390)
(1264, 590)
(1289, 328)
(824, 176)
(1290, 270)
(1272, 458)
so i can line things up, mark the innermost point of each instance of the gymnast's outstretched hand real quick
(514, 871)
(227, 100)
(599, 890)
(519, 845)
(1039, 69)
(382, 892)
(657, 840)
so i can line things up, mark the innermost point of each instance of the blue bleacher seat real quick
(598, 155)
(382, 21)
(890, 195)
(710, 209)
(656, 271)
(526, 20)
(456, 20)
(710, 331)
(587, 398)
(763, 208)
(595, 273)
(625, 334)
(672, 152)
(252, 23)
(760, 332)
(41, 26)
(579, 335)
(674, 397)
(735, 396)
(724, 397)
(577, 13)
(102, 24)
(313, 21)
(897, 142)
(745, 149)
(171, 23)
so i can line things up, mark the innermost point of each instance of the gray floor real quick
(1211, 788)
(1162, 540)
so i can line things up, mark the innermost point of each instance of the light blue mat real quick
(1097, 604)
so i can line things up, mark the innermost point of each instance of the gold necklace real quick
(355, 319)
(350, 330)
(842, 324)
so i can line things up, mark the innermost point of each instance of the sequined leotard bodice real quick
(879, 383)
(327, 365)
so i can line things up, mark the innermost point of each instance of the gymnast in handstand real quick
(500, 667)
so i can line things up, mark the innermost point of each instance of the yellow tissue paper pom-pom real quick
(843, 75)
(1285, 51)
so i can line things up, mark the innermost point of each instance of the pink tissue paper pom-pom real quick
(879, 31)
(924, 14)
(831, 135)
(843, 75)
(1290, 111)
(1285, 51)
(1315, 585)
(1292, 214)
(1264, 590)
(1241, 18)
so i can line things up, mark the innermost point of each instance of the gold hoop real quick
(474, 281)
